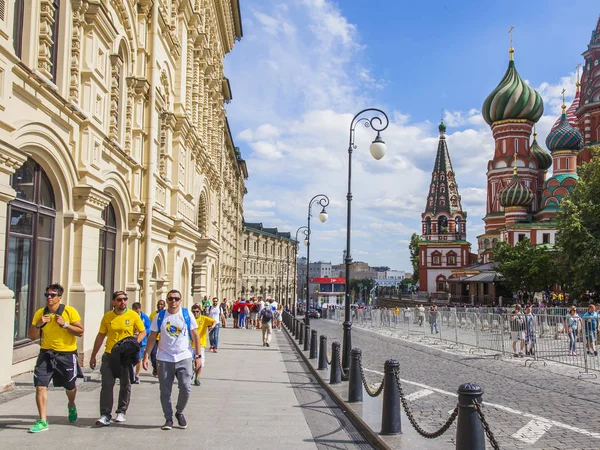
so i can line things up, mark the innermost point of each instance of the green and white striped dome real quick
(515, 194)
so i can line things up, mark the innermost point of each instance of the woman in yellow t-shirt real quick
(205, 324)
(160, 305)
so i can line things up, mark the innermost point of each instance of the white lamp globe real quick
(323, 216)
(378, 148)
(306, 242)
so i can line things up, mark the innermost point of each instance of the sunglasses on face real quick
(122, 299)
(196, 311)
(173, 299)
(50, 295)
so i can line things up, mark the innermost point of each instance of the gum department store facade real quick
(117, 165)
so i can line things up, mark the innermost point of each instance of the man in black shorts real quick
(57, 327)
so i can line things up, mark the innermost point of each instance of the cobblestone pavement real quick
(528, 407)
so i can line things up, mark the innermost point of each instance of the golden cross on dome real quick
(511, 50)
(577, 83)
(564, 107)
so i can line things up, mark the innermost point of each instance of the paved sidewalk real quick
(251, 396)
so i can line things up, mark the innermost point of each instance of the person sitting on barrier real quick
(572, 326)
(517, 331)
(529, 331)
(591, 328)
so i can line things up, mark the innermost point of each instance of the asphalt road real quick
(529, 407)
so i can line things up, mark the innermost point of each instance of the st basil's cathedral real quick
(520, 201)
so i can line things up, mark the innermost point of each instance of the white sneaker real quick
(103, 421)
(120, 417)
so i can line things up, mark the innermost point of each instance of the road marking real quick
(531, 432)
(502, 408)
(418, 394)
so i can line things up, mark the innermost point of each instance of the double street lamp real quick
(323, 201)
(378, 121)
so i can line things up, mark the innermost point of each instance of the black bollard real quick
(390, 415)
(322, 353)
(335, 374)
(297, 330)
(301, 340)
(469, 430)
(306, 337)
(313, 344)
(294, 323)
(355, 388)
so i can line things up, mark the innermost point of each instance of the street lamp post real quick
(323, 201)
(372, 119)
(306, 233)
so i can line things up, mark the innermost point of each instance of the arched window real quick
(29, 243)
(442, 224)
(428, 225)
(440, 283)
(106, 256)
(457, 228)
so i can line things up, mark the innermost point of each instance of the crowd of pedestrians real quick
(171, 340)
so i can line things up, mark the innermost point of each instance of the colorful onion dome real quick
(542, 156)
(564, 136)
(516, 193)
(512, 99)
(442, 127)
(571, 117)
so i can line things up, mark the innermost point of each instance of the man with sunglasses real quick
(57, 325)
(117, 324)
(174, 356)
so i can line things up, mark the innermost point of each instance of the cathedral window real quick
(442, 202)
(428, 225)
(443, 188)
(451, 259)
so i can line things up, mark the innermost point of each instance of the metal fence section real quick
(547, 335)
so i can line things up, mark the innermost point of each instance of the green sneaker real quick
(39, 426)
(72, 414)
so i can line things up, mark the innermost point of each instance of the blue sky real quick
(305, 67)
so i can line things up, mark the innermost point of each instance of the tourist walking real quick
(205, 325)
(174, 356)
(421, 315)
(433, 319)
(57, 326)
(572, 327)
(266, 318)
(517, 331)
(160, 305)
(137, 307)
(591, 328)
(530, 338)
(118, 326)
(216, 313)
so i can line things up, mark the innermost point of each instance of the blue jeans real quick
(242, 320)
(573, 340)
(434, 326)
(213, 336)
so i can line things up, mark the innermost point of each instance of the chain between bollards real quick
(486, 427)
(375, 393)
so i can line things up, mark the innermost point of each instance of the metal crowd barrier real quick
(542, 337)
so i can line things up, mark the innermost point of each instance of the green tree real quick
(413, 247)
(525, 267)
(366, 283)
(578, 223)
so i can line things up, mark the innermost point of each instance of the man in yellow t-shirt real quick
(160, 305)
(116, 325)
(57, 359)
(205, 324)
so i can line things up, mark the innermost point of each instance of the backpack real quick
(186, 317)
(267, 315)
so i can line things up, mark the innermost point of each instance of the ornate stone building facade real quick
(269, 263)
(117, 165)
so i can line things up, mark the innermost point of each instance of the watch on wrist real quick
(198, 356)
(66, 325)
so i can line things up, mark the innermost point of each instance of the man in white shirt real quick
(215, 313)
(174, 356)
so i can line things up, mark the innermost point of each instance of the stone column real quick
(85, 293)
(10, 160)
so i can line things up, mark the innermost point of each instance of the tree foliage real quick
(366, 283)
(413, 247)
(525, 267)
(578, 223)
